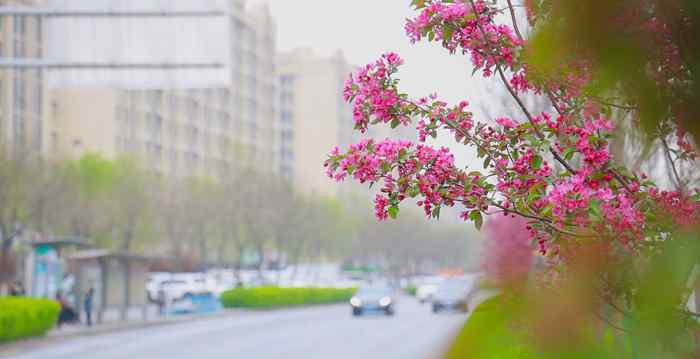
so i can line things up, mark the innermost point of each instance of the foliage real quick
(600, 226)
(411, 290)
(26, 317)
(275, 297)
(502, 341)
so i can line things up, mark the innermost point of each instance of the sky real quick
(363, 30)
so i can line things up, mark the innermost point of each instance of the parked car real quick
(453, 294)
(153, 284)
(181, 285)
(373, 298)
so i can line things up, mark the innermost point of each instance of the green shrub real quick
(26, 317)
(275, 297)
(411, 290)
(488, 334)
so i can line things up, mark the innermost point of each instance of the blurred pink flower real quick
(508, 253)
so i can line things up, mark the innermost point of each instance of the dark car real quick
(373, 299)
(452, 294)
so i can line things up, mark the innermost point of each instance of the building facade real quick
(24, 121)
(184, 132)
(313, 117)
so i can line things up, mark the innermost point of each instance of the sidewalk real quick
(111, 324)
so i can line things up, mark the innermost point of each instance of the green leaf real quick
(536, 162)
(478, 219)
(594, 209)
(395, 123)
(447, 32)
(487, 162)
(533, 194)
(436, 213)
(569, 153)
(418, 4)
(393, 212)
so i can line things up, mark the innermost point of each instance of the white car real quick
(425, 292)
(153, 284)
(427, 288)
(181, 285)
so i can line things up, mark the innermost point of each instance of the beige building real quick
(184, 132)
(313, 117)
(23, 93)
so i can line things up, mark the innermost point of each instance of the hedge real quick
(487, 334)
(26, 317)
(274, 297)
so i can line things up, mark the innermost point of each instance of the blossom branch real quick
(514, 20)
(672, 163)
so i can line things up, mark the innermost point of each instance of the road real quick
(319, 332)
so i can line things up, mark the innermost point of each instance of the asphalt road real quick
(320, 332)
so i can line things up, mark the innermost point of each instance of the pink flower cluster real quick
(683, 211)
(407, 171)
(373, 93)
(457, 25)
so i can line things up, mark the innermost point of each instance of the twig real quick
(609, 323)
(515, 95)
(667, 152)
(515, 22)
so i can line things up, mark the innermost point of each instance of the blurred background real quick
(162, 161)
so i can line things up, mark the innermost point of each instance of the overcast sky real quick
(363, 30)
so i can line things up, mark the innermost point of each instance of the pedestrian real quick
(65, 315)
(161, 301)
(16, 289)
(87, 304)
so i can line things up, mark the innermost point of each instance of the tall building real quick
(23, 92)
(313, 117)
(178, 133)
(182, 131)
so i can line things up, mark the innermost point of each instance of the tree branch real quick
(515, 96)
(667, 152)
(515, 22)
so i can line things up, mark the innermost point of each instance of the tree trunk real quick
(239, 263)
(7, 271)
(126, 265)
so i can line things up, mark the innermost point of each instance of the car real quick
(182, 285)
(153, 283)
(452, 294)
(427, 288)
(373, 298)
(425, 292)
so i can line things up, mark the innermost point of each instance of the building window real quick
(39, 36)
(19, 32)
(192, 109)
(18, 121)
(286, 116)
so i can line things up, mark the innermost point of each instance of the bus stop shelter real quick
(118, 278)
(45, 265)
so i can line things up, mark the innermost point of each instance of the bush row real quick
(26, 317)
(274, 297)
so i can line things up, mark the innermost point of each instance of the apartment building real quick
(183, 132)
(24, 119)
(313, 117)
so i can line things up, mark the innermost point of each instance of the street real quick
(320, 332)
